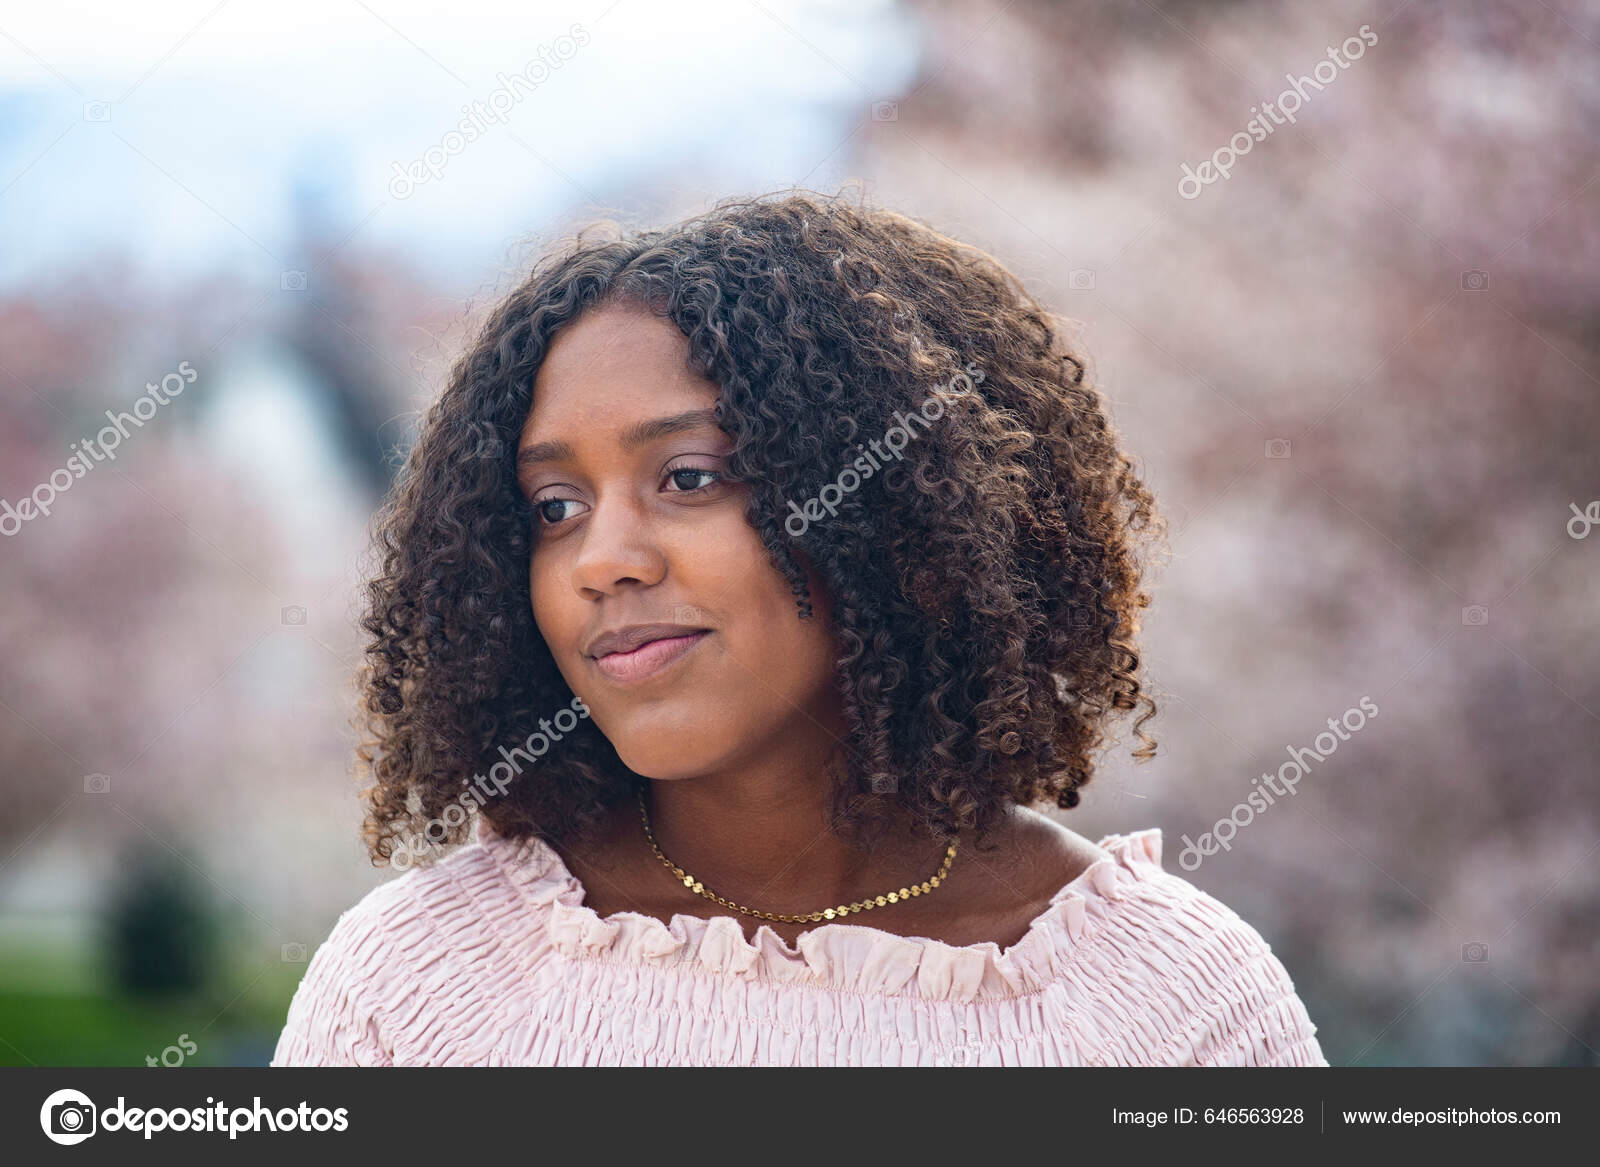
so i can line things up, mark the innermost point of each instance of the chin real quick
(664, 743)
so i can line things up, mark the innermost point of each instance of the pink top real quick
(489, 957)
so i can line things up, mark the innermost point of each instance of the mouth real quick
(649, 660)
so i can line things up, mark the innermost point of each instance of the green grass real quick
(55, 1010)
(77, 1030)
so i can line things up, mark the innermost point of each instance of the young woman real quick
(747, 586)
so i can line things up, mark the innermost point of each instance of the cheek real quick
(554, 620)
(560, 619)
(797, 655)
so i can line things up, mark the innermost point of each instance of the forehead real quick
(616, 356)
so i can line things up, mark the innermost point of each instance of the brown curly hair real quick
(985, 587)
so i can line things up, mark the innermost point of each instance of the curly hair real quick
(985, 587)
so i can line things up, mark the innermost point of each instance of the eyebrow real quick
(633, 437)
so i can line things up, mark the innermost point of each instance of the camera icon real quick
(294, 615)
(97, 783)
(68, 1117)
(72, 1118)
(688, 615)
(293, 953)
(1475, 616)
(884, 784)
(1475, 280)
(885, 111)
(961, 1055)
(292, 281)
(97, 111)
(1475, 952)
(1278, 448)
(1081, 279)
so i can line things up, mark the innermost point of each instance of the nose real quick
(618, 545)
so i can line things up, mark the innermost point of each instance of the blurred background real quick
(1358, 360)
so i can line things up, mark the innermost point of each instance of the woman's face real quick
(636, 524)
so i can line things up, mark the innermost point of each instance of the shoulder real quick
(1051, 845)
(1208, 986)
(410, 910)
(411, 939)
(329, 1020)
(477, 893)
(1036, 855)
(1026, 862)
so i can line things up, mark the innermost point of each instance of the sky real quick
(195, 136)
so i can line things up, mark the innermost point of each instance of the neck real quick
(762, 839)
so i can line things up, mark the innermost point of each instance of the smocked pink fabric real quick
(490, 958)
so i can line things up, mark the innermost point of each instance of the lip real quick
(648, 660)
(631, 636)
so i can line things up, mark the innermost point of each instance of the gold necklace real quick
(865, 905)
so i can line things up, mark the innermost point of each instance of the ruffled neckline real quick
(838, 955)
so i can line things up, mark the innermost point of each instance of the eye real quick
(542, 516)
(677, 472)
(543, 520)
